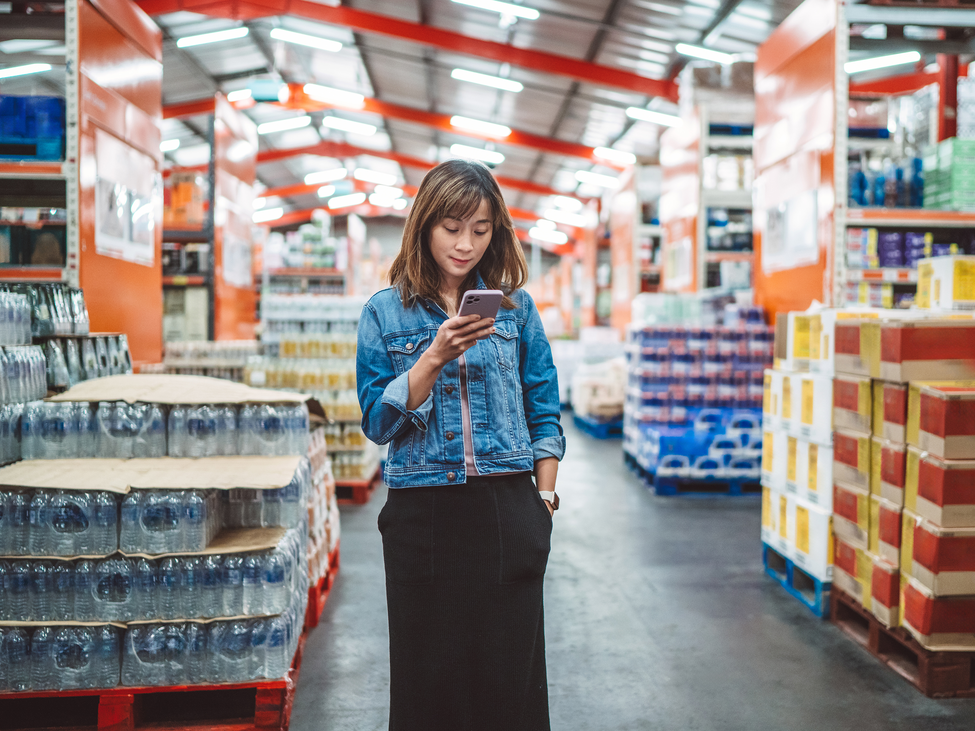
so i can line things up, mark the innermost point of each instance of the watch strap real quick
(550, 496)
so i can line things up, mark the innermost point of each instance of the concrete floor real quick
(658, 616)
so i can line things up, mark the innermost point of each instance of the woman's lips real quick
(459, 262)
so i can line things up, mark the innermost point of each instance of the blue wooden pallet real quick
(598, 428)
(636, 468)
(707, 487)
(812, 592)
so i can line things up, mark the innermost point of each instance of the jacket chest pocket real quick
(405, 350)
(505, 339)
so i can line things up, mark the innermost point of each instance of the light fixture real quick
(269, 214)
(495, 82)
(706, 53)
(239, 95)
(338, 97)
(326, 190)
(400, 203)
(603, 181)
(325, 176)
(476, 125)
(477, 153)
(259, 203)
(382, 201)
(168, 145)
(548, 235)
(569, 219)
(617, 156)
(220, 35)
(545, 224)
(647, 115)
(31, 68)
(881, 62)
(301, 39)
(346, 201)
(283, 125)
(519, 11)
(373, 176)
(348, 125)
(388, 191)
(565, 203)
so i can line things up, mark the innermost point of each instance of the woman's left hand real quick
(551, 510)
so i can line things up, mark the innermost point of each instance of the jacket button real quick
(450, 436)
(409, 346)
(451, 476)
(449, 390)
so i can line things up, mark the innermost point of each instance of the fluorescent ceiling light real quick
(548, 235)
(646, 115)
(259, 203)
(706, 53)
(220, 35)
(382, 201)
(345, 201)
(476, 125)
(495, 82)
(31, 68)
(388, 191)
(269, 214)
(519, 11)
(547, 225)
(569, 219)
(603, 181)
(168, 145)
(574, 205)
(348, 125)
(325, 176)
(338, 97)
(400, 203)
(619, 156)
(881, 62)
(372, 176)
(477, 153)
(239, 95)
(283, 125)
(301, 39)
(326, 190)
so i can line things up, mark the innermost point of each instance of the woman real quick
(470, 408)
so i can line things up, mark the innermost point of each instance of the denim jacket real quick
(511, 386)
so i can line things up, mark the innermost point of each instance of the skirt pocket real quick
(526, 532)
(406, 524)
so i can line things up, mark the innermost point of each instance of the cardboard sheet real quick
(229, 540)
(165, 473)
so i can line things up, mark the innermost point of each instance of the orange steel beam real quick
(894, 85)
(426, 35)
(189, 109)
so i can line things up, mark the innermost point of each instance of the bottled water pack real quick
(258, 429)
(59, 658)
(23, 374)
(123, 589)
(14, 319)
(10, 432)
(169, 521)
(284, 507)
(58, 523)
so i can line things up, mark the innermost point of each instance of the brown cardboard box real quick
(851, 515)
(851, 459)
(852, 403)
(890, 410)
(939, 623)
(939, 490)
(853, 571)
(946, 421)
(944, 558)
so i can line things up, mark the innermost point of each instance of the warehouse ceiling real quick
(633, 36)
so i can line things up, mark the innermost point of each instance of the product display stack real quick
(691, 420)
(216, 359)
(323, 526)
(310, 346)
(157, 534)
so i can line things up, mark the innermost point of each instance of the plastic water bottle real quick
(177, 431)
(86, 426)
(257, 661)
(130, 530)
(161, 514)
(196, 652)
(70, 658)
(212, 581)
(106, 665)
(235, 651)
(70, 524)
(115, 590)
(175, 653)
(42, 591)
(245, 429)
(43, 674)
(271, 434)
(40, 536)
(253, 508)
(63, 601)
(194, 521)
(19, 522)
(300, 433)
(16, 657)
(105, 509)
(169, 589)
(4, 523)
(191, 599)
(275, 587)
(277, 660)
(146, 580)
(154, 433)
(271, 508)
(4, 605)
(233, 586)
(84, 587)
(226, 430)
(253, 585)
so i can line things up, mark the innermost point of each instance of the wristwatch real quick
(550, 497)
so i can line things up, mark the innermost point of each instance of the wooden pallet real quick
(936, 674)
(599, 428)
(707, 487)
(318, 594)
(260, 705)
(357, 492)
(812, 592)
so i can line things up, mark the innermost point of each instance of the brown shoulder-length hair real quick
(455, 189)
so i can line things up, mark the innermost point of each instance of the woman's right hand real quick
(456, 335)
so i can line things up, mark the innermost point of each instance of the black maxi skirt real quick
(464, 572)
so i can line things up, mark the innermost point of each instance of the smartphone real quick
(483, 302)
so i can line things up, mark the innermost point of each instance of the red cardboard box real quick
(853, 571)
(890, 410)
(885, 530)
(946, 422)
(885, 592)
(852, 403)
(926, 350)
(890, 460)
(939, 623)
(944, 559)
(851, 459)
(941, 490)
(851, 515)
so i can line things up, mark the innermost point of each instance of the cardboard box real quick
(885, 592)
(851, 459)
(885, 530)
(946, 421)
(852, 403)
(946, 283)
(890, 410)
(851, 515)
(775, 447)
(797, 342)
(822, 335)
(944, 558)
(809, 472)
(939, 623)
(778, 530)
(772, 397)
(889, 464)
(807, 410)
(939, 490)
(812, 549)
(908, 524)
(770, 515)
(857, 343)
(853, 571)
(913, 427)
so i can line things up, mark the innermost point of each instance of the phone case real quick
(483, 302)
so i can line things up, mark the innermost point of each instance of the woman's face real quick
(457, 244)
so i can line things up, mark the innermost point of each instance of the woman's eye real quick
(480, 233)
(452, 230)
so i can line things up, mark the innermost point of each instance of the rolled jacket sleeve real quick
(397, 394)
(540, 386)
